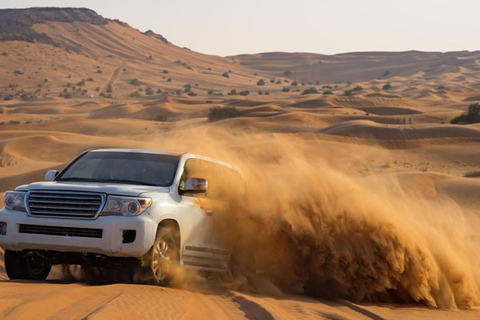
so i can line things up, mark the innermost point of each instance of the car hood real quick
(108, 188)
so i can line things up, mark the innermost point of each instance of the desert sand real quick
(359, 206)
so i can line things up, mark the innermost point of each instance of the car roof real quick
(139, 151)
(177, 154)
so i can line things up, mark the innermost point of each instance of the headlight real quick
(125, 206)
(14, 200)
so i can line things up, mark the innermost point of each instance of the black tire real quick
(163, 257)
(19, 266)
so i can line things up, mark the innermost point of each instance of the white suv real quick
(144, 210)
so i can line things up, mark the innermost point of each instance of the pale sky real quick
(225, 27)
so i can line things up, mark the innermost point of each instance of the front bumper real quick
(111, 243)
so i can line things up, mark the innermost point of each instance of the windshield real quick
(122, 167)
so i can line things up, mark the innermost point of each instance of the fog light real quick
(3, 228)
(129, 236)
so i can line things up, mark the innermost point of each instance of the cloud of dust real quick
(304, 226)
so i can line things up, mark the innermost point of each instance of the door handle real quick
(209, 212)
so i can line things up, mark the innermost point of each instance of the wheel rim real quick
(35, 268)
(162, 259)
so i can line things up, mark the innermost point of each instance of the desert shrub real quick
(161, 117)
(99, 71)
(81, 83)
(97, 89)
(288, 73)
(187, 89)
(178, 92)
(267, 93)
(135, 94)
(135, 82)
(348, 93)
(232, 92)
(210, 92)
(109, 88)
(327, 92)
(272, 80)
(149, 91)
(26, 96)
(303, 83)
(260, 92)
(473, 113)
(387, 86)
(192, 94)
(159, 90)
(244, 93)
(327, 87)
(441, 88)
(386, 73)
(472, 174)
(294, 83)
(312, 90)
(90, 79)
(165, 71)
(219, 113)
(225, 75)
(67, 95)
(8, 97)
(169, 80)
(14, 122)
(357, 88)
(4, 53)
(278, 82)
(286, 89)
(317, 83)
(106, 95)
(18, 72)
(260, 82)
(457, 119)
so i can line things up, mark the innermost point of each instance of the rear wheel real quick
(25, 266)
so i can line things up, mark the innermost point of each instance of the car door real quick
(206, 245)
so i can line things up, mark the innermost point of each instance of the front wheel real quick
(25, 266)
(160, 261)
(164, 257)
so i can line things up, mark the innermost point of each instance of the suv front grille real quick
(61, 231)
(64, 204)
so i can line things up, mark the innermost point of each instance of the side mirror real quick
(197, 185)
(50, 175)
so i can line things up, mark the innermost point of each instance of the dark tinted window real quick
(123, 167)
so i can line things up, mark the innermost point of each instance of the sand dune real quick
(373, 130)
